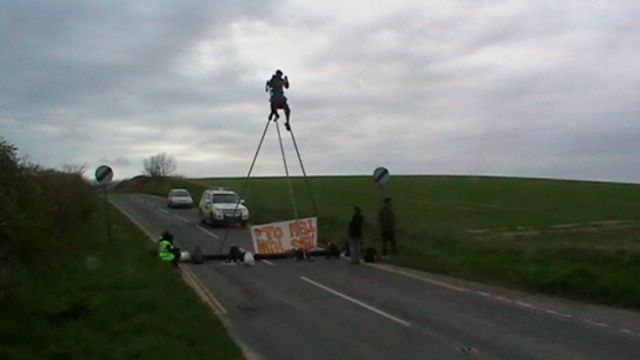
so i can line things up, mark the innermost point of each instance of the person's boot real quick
(286, 125)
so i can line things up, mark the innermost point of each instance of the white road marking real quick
(163, 210)
(202, 291)
(527, 305)
(214, 304)
(595, 323)
(181, 218)
(268, 262)
(357, 302)
(553, 312)
(484, 293)
(503, 299)
(150, 204)
(418, 277)
(208, 232)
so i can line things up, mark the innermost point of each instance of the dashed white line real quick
(163, 210)
(503, 299)
(596, 323)
(484, 293)
(553, 312)
(527, 305)
(357, 302)
(181, 218)
(268, 262)
(565, 315)
(208, 232)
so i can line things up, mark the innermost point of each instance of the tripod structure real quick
(286, 169)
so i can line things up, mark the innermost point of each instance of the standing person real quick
(276, 86)
(387, 221)
(355, 235)
(167, 251)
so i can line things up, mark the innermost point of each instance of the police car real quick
(222, 206)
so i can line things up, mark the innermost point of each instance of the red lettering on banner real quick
(307, 242)
(271, 232)
(269, 247)
(301, 228)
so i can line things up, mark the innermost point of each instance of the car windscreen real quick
(225, 198)
(180, 193)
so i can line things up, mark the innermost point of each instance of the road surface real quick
(329, 309)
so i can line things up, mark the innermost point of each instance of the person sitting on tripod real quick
(276, 86)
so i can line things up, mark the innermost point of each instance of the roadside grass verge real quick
(98, 299)
(575, 239)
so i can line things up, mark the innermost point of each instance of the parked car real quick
(179, 198)
(222, 206)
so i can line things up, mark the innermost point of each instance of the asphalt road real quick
(329, 309)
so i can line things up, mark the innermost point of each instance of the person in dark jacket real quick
(387, 221)
(275, 86)
(355, 235)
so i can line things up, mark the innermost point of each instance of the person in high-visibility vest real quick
(167, 251)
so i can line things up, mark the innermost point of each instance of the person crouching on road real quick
(355, 235)
(167, 251)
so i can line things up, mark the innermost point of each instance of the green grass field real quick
(568, 238)
(107, 300)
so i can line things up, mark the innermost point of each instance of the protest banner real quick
(284, 236)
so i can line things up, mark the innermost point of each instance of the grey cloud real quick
(117, 161)
(510, 88)
(93, 49)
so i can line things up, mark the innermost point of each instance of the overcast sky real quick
(509, 88)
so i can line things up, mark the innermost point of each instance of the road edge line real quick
(209, 299)
(416, 277)
(202, 292)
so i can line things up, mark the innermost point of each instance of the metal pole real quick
(106, 211)
(224, 240)
(286, 170)
(304, 173)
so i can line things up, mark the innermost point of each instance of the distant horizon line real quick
(392, 176)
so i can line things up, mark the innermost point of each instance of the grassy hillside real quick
(570, 238)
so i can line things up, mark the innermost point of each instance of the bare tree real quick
(160, 165)
(74, 169)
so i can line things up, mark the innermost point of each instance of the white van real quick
(222, 206)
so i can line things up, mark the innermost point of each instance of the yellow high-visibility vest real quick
(164, 250)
